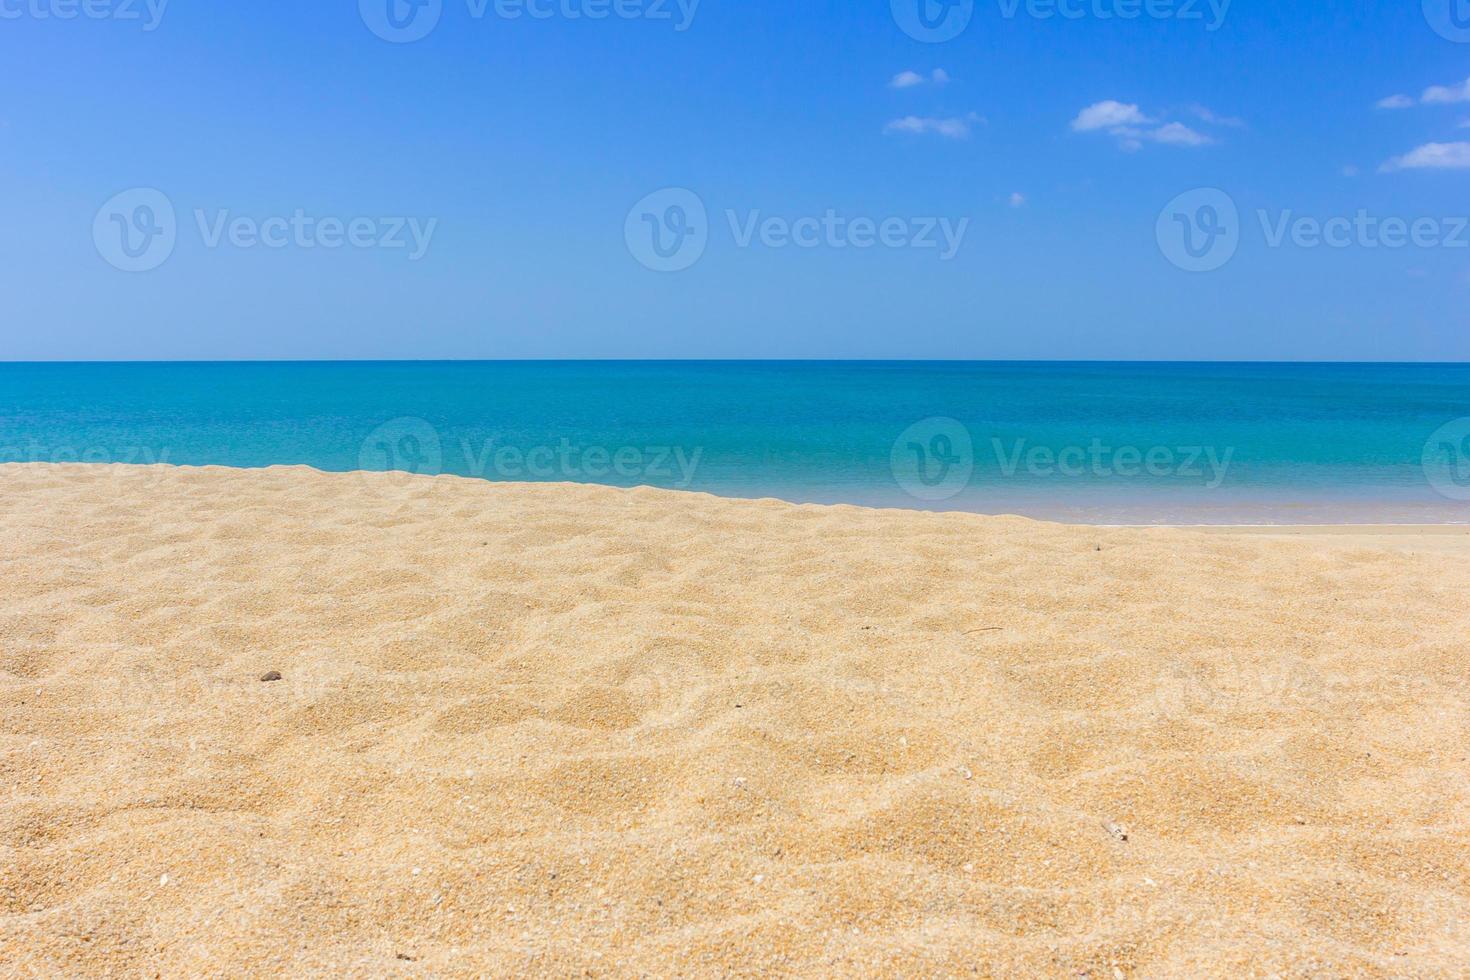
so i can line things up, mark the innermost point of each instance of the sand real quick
(1444, 539)
(576, 730)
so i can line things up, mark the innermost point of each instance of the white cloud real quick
(1128, 124)
(1433, 156)
(1178, 134)
(912, 79)
(1434, 95)
(1017, 200)
(952, 128)
(1108, 115)
(1446, 94)
(1205, 115)
(1350, 171)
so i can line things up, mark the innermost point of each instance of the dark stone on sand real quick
(274, 675)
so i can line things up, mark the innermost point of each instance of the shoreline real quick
(1366, 526)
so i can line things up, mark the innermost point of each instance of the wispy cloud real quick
(1017, 200)
(912, 79)
(1395, 102)
(1447, 94)
(1434, 95)
(1433, 156)
(1132, 128)
(956, 127)
(1178, 134)
(1214, 119)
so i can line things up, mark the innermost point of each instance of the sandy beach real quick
(575, 730)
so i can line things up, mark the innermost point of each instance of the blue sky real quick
(519, 147)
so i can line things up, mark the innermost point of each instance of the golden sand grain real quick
(577, 730)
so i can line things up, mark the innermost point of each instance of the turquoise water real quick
(1134, 443)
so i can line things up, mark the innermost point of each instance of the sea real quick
(1104, 443)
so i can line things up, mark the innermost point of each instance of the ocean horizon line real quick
(735, 360)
